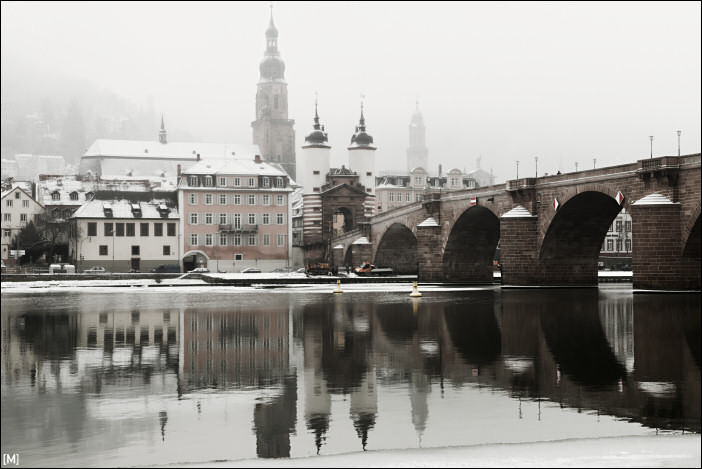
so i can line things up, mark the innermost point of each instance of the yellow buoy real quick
(338, 287)
(415, 293)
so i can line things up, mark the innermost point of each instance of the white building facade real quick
(18, 209)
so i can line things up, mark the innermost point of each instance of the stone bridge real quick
(550, 229)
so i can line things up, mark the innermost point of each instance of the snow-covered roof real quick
(24, 186)
(235, 166)
(170, 150)
(517, 212)
(65, 186)
(125, 209)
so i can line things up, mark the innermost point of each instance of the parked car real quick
(199, 270)
(95, 270)
(166, 268)
(251, 270)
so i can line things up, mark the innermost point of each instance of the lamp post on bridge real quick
(536, 165)
(651, 137)
(679, 132)
(594, 162)
(576, 166)
(517, 169)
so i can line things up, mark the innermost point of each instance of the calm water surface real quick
(138, 376)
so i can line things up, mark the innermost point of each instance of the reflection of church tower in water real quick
(272, 130)
(417, 153)
(364, 407)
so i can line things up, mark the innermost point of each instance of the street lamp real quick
(80, 250)
(576, 166)
(594, 162)
(536, 165)
(651, 137)
(517, 169)
(679, 132)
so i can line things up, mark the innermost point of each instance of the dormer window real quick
(192, 181)
(208, 181)
(279, 182)
(107, 209)
(56, 196)
(74, 195)
(265, 182)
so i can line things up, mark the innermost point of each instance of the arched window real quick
(56, 196)
(74, 195)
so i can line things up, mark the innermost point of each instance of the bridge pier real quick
(657, 258)
(519, 236)
(429, 251)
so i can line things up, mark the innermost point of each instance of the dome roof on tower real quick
(318, 137)
(272, 68)
(361, 139)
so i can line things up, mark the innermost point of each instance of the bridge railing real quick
(662, 162)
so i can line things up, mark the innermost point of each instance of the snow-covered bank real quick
(632, 451)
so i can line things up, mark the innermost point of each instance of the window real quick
(281, 239)
(315, 172)
(192, 181)
(619, 226)
(192, 199)
(208, 219)
(252, 218)
(275, 102)
(627, 226)
(208, 181)
(237, 241)
(158, 229)
(54, 196)
(143, 229)
(193, 219)
(391, 196)
(238, 257)
(103, 249)
(222, 199)
(237, 221)
(193, 239)
(222, 218)
(236, 200)
(252, 239)
(237, 182)
(252, 182)
(8, 203)
(108, 229)
(265, 219)
(280, 218)
(135, 250)
(74, 196)
(279, 182)
(119, 229)
(7, 233)
(399, 196)
(92, 229)
(222, 181)
(627, 243)
(265, 199)
(208, 239)
(619, 245)
(280, 200)
(171, 229)
(208, 199)
(610, 244)
(408, 197)
(265, 182)
(130, 229)
(166, 250)
(266, 239)
(417, 197)
(222, 239)
(251, 199)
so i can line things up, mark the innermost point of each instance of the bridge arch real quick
(470, 247)
(573, 239)
(398, 249)
(691, 234)
(194, 258)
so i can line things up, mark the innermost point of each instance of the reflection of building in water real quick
(364, 407)
(420, 387)
(237, 347)
(616, 317)
(317, 394)
(275, 420)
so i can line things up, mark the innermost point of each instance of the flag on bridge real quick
(555, 204)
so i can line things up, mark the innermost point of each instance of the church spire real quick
(162, 133)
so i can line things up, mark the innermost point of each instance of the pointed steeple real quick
(162, 133)
(272, 67)
(318, 136)
(361, 139)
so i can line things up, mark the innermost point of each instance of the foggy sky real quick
(505, 81)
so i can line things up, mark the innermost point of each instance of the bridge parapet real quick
(520, 184)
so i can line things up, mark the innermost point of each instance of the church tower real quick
(362, 161)
(272, 130)
(417, 153)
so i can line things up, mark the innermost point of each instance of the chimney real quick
(178, 171)
(257, 159)
(198, 157)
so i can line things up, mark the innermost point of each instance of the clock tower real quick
(272, 130)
